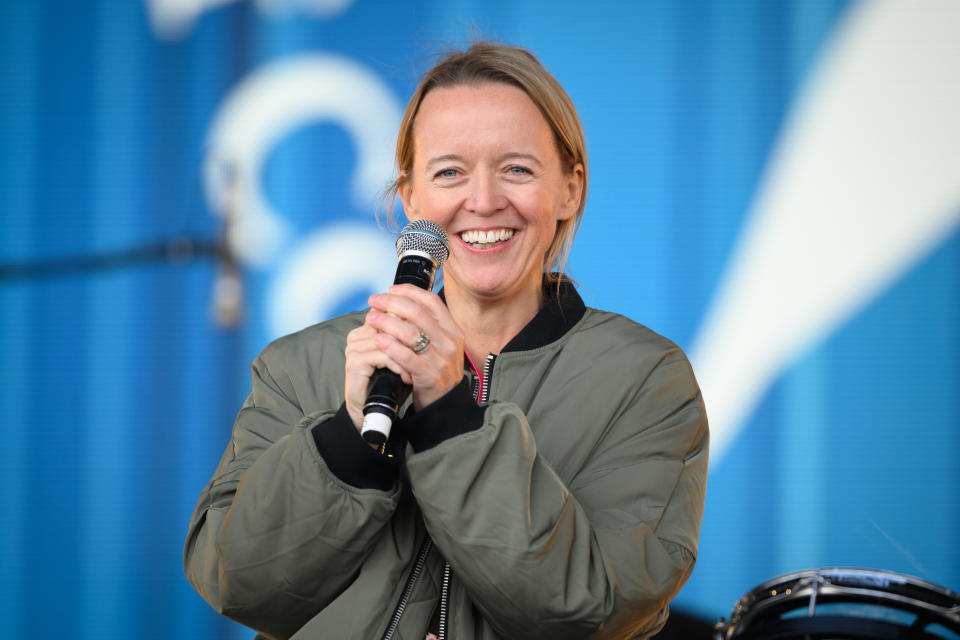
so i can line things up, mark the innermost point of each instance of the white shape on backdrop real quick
(326, 9)
(331, 264)
(863, 183)
(275, 101)
(173, 19)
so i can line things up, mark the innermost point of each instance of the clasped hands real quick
(411, 332)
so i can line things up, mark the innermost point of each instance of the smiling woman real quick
(512, 67)
(554, 492)
(486, 168)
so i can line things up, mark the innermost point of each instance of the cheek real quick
(434, 205)
(543, 211)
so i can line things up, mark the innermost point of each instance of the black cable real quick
(177, 250)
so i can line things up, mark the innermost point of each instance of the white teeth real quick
(486, 237)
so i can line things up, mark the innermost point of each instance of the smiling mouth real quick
(486, 239)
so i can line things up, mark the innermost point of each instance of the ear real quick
(572, 193)
(405, 190)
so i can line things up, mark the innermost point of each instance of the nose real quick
(485, 195)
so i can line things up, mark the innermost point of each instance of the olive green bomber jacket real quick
(567, 506)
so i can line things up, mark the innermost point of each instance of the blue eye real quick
(518, 170)
(446, 173)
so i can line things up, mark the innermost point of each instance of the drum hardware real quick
(844, 603)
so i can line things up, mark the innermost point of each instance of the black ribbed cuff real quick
(453, 414)
(349, 456)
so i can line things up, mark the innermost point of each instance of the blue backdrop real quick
(803, 249)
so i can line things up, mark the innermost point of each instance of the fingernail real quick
(373, 314)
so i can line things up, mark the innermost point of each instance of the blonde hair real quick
(487, 62)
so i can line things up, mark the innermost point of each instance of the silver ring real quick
(422, 344)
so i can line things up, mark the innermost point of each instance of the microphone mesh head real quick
(424, 236)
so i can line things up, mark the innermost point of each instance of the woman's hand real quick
(387, 339)
(363, 358)
(400, 316)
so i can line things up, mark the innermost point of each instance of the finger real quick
(433, 320)
(397, 304)
(360, 334)
(364, 356)
(426, 366)
(406, 332)
(420, 369)
(424, 298)
(409, 302)
(366, 362)
(361, 338)
(433, 374)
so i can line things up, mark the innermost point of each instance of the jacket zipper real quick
(476, 380)
(487, 373)
(482, 395)
(444, 602)
(425, 548)
(484, 392)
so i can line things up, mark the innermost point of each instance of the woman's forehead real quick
(491, 116)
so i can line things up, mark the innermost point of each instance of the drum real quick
(842, 603)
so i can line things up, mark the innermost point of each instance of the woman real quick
(547, 480)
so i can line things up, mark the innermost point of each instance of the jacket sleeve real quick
(276, 534)
(599, 556)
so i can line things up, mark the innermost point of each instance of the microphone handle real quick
(417, 269)
(387, 391)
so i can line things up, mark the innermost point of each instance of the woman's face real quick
(486, 168)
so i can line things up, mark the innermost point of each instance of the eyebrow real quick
(510, 155)
(443, 158)
(516, 155)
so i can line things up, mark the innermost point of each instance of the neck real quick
(490, 323)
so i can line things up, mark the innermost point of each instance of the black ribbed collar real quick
(560, 311)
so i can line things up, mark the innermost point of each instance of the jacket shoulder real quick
(613, 334)
(327, 335)
(295, 362)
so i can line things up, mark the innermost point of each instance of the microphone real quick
(421, 247)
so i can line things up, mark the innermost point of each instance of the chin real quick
(494, 285)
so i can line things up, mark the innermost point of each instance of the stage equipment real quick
(844, 603)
